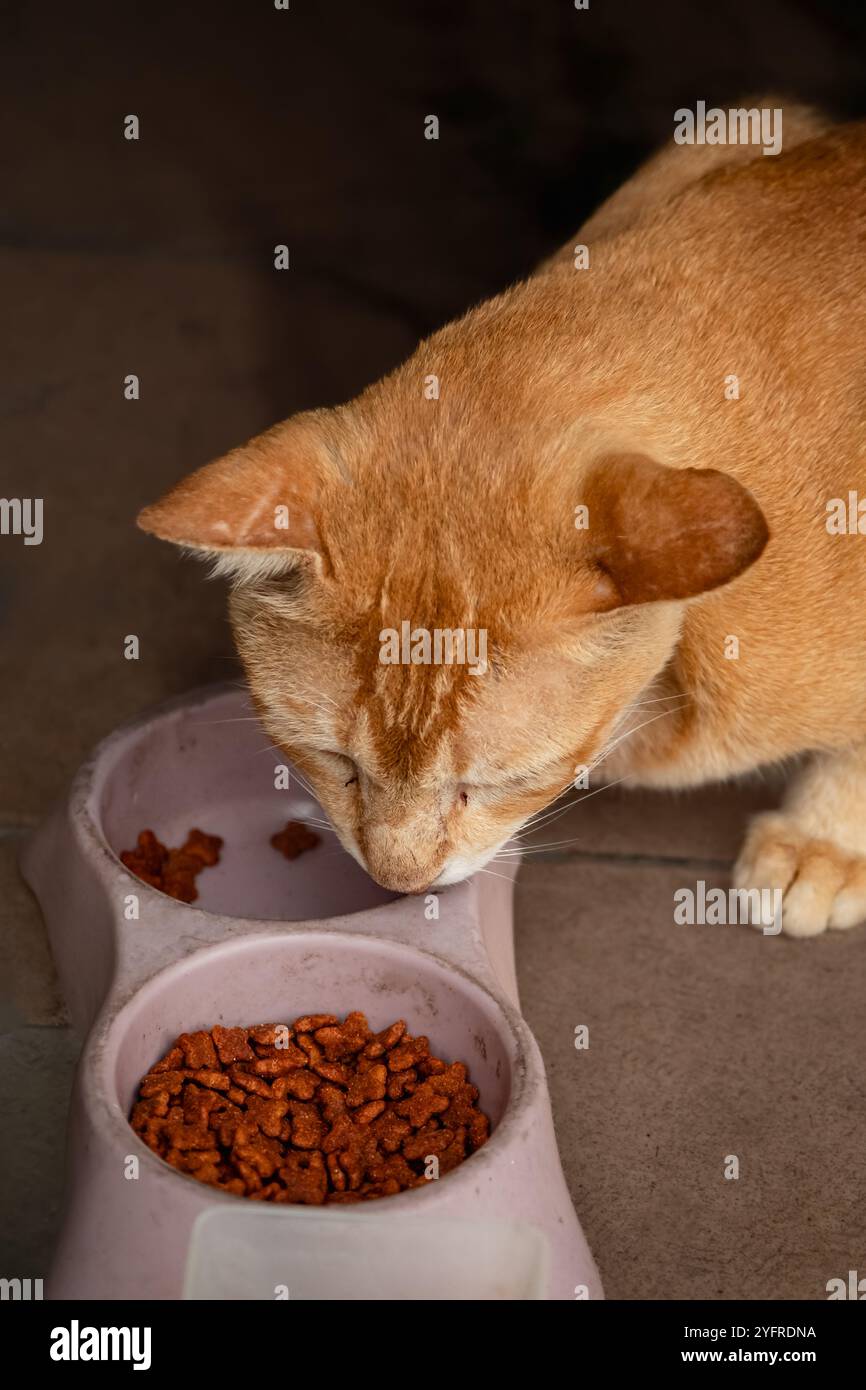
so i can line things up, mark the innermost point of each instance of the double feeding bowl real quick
(266, 941)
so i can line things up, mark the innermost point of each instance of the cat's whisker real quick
(302, 693)
(238, 719)
(659, 699)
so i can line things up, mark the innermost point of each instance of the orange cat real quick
(608, 491)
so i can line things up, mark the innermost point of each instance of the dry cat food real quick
(173, 871)
(318, 1111)
(295, 839)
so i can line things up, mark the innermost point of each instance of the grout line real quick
(639, 860)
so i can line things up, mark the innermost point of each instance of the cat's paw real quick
(821, 885)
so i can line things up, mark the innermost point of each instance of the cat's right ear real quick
(253, 512)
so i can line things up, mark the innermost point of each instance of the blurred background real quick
(155, 257)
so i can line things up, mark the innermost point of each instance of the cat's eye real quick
(464, 798)
(347, 764)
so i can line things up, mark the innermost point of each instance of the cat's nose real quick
(402, 883)
(397, 861)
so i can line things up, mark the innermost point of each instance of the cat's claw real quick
(821, 884)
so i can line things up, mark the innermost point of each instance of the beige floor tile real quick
(36, 1069)
(704, 1042)
(707, 823)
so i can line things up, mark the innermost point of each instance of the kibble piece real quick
(421, 1105)
(232, 1045)
(343, 1040)
(285, 1059)
(308, 1127)
(295, 839)
(402, 1083)
(204, 848)
(268, 1033)
(198, 1050)
(304, 1178)
(408, 1053)
(367, 1085)
(310, 1022)
(299, 1084)
(267, 1114)
(172, 871)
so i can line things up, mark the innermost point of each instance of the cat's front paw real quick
(820, 884)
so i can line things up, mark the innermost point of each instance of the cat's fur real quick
(603, 388)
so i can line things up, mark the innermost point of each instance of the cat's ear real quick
(658, 533)
(254, 511)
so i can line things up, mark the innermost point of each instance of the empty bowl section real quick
(210, 766)
(277, 978)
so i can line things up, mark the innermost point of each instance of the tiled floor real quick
(154, 258)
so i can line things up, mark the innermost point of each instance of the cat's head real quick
(442, 621)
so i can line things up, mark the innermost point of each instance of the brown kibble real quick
(170, 1062)
(300, 1085)
(407, 1053)
(232, 1045)
(285, 1059)
(421, 1105)
(198, 1104)
(304, 1178)
(247, 1082)
(310, 1022)
(426, 1142)
(345, 1039)
(259, 1153)
(332, 1102)
(204, 848)
(268, 1033)
(215, 1080)
(341, 1115)
(402, 1083)
(369, 1112)
(335, 1173)
(462, 1107)
(335, 1072)
(389, 1037)
(308, 1128)
(395, 1166)
(267, 1114)
(432, 1066)
(172, 871)
(341, 1134)
(169, 1081)
(198, 1050)
(368, 1085)
(390, 1131)
(295, 839)
(307, 1042)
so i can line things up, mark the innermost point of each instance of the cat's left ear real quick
(254, 511)
(657, 534)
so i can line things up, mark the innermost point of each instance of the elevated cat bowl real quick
(268, 940)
